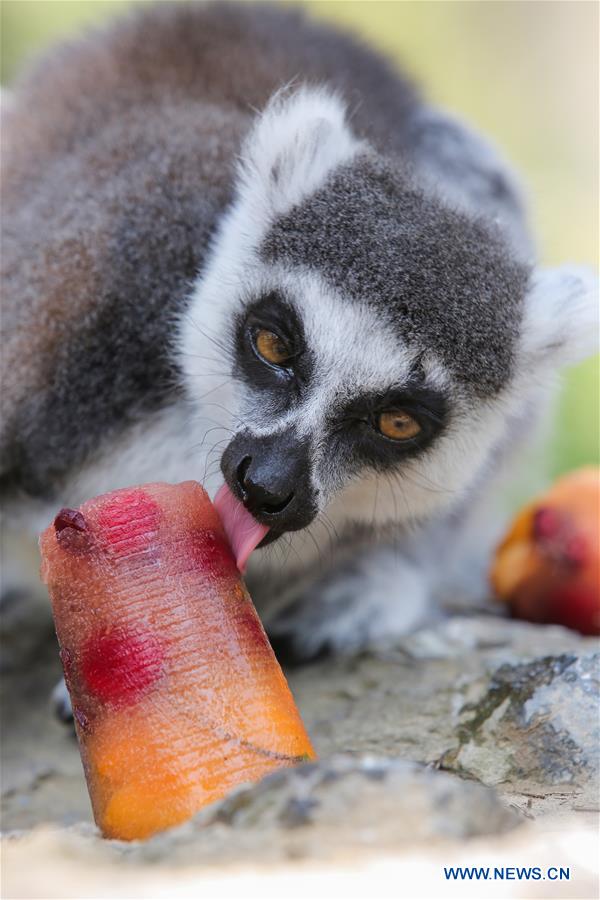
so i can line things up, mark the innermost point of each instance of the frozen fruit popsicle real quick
(177, 695)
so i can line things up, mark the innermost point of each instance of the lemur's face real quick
(327, 395)
(370, 337)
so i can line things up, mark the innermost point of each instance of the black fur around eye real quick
(380, 430)
(270, 352)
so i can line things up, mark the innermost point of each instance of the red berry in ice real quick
(71, 529)
(118, 666)
(129, 521)
(69, 518)
(211, 553)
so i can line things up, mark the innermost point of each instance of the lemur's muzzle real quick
(270, 474)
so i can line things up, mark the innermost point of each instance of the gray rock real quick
(416, 801)
(534, 729)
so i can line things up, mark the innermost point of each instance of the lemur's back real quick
(117, 161)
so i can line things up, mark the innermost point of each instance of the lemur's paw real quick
(61, 703)
(292, 652)
(358, 610)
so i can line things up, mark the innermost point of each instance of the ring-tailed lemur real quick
(238, 245)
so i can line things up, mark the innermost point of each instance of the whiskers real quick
(223, 344)
(423, 483)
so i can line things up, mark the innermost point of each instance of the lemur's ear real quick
(561, 321)
(296, 142)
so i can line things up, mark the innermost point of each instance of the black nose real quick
(267, 499)
(270, 474)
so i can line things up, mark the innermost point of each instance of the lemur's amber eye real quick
(271, 347)
(398, 425)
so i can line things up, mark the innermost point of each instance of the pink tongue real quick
(243, 531)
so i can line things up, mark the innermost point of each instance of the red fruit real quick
(129, 521)
(118, 667)
(546, 523)
(212, 554)
(69, 518)
(576, 606)
(547, 568)
(71, 530)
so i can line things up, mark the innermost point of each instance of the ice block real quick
(176, 693)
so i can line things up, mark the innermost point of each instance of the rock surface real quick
(535, 729)
(507, 709)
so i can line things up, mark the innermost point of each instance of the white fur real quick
(561, 324)
(298, 140)
(380, 596)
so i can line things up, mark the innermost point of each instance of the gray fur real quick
(447, 282)
(469, 174)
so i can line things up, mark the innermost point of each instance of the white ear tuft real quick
(561, 324)
(295, 144)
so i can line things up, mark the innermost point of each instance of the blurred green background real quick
(526, 73)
